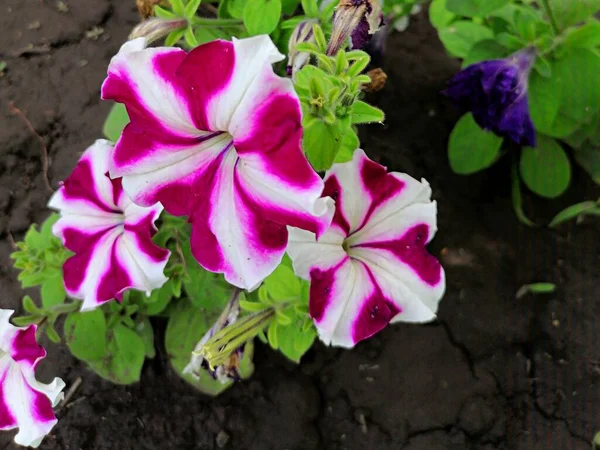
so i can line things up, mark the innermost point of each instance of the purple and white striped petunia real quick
(25, 403)
(110, 235)
(216, 135)
(371, 266)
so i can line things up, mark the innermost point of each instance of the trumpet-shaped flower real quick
(215, 135)
(110, 236)
(25, 403)
(495, 92)
(371, 266)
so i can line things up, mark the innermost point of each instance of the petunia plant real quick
(528, 88)
(230, 203)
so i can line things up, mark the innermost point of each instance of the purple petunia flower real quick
(495, 92)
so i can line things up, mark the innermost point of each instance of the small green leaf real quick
(178, 8)
(272, 335)
(439, 16)
(474, 8)
(190, 37)
(235, 8)
(124, 359)
(544, 102)
(462, 35)
(30, 306)
(517, 199)
(571, 12)
(85, 334)
(282, 284)
(52, 334)
(536, 288)
(191, 8)
(483, 51)
(23, 321)
(163, 13)
(350, 143)
(588, 157)
(572, 212)
(174, 37)
(288, 7)
(159, 299)
(115, 122)
(322, 141)
(545, 169)
(53, 291)
(297, 336)
(362, 112)
(470, 148)
(251, 306)
(586, 36)
(542, 66)
(310, 7)
(143, 328)
(262, 16)
(511, 42)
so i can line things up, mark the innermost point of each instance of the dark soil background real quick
(492, 373)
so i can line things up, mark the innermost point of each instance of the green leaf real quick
(588, 157)
(536, 288)
(191, 8)
(461, 36)
(470, 148)
(30, 306)
(517, 198)
(115, 122)
(586, 36)
(322, 141)
(362, 112)
(282, 284)
(293, 340)
(163, 13)
(187, 325)
(159, 299)
(350, 143)
(52, 334)
(542, 66)
(310, 7)
(125, 357)
(544, 101)
(483, 51)
(288, 7)
(272, 335)
(545, 169)
(46, 230)
(572, 212)
(474, 8)
(580, 98)
(571, 12)
(262, 16)
(177, 7)
(190, 38)
(85, 334)
(174, 37)
(144, 330)
(53, 291)
(235, 8)
(597, 440)
(439, 16)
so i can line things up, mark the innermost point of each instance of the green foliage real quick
(330, 95)
(474, 8)
(546, 169)
(117, 120)
(571, 12)
(85, 334)
(292, 332)
(536, 288)
(470, 148)
(262, 16)
(187, 325)
(459, 37)
(577, 211)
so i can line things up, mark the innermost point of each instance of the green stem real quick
(65, 308)
(553, 23)
(205, 22)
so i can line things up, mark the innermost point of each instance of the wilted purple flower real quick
(495, 92)
(357, 19)
(301, 34)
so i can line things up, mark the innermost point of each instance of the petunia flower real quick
(495, 92)
(25, 403)
(371, 266)
(215, 135)
(357, 20)
(110, 236)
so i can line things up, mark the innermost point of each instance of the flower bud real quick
(302, 33)
(357, 20)
(156, 28)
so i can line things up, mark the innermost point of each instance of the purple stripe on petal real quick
(7, 420)
(375, 313)
(321, 289)
(25, 347)
(410, 249)
(76, 267)
(41, 407)
(380, 185)
(80, 186)
(333, 189)
(277, 137)
(143, 232)
(115, 280)
(207, 69)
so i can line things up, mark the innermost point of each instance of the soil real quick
(492, 373)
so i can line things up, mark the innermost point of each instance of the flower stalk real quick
(550, 14)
